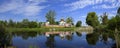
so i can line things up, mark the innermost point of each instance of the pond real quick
(66, 39)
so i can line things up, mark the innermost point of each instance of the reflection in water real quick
(102, 37)
(58, 39)
(78, 34)
(62, 35)
(25, 35)
(117, 37)
(92, 39)
(5, 40)
(50, 41)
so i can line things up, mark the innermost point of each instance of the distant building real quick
(62, 23)
(47, 23)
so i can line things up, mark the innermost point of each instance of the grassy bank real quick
(44, 29)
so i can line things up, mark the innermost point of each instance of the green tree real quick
(11, 23)
(51, 16)
(57, 22)
(78, 24)
(69, 20)
(25, 23)
(104, 19)
(2, 27)
(118, 11)
(32, 24)
(114, 22)
(92, 19)
(5, 23)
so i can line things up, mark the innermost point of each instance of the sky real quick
(35, 10)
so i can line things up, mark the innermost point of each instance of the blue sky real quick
(35, 10)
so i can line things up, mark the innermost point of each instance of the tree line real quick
(92, 19)
(104, 23)
(25, 23)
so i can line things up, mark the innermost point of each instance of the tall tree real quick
(78, 24)
(51, 16)
(11, 23)
(25, 23)
(92, 19)
(118, 11)
(114, 22)
(69, 20)
(104, 19)
(2, 27)
(4, 23)
(33, 24)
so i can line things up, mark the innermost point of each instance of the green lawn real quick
(43, 29)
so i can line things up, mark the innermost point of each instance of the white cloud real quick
(82, 16)
(114, 12)
(111, 15)
(79, 4)
(36, 2)
(30, 8)
(10, 6)
(97, 3)
(105, 6)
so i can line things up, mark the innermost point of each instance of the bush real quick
(78, 24)
(2, 28)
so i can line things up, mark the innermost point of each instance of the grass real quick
(43, 29)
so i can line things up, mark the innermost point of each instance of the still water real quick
(59, 39)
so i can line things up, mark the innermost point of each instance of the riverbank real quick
(44, 29)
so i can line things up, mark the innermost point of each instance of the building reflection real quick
(63, 35)
(50, 38)
(50, 42)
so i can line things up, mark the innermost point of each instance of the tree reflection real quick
(5, 39)
(25, 35)
(50, 41)
(78, 34)
(92, 38)
(69, 37)
(105, 37)
(102, 37)
(117, 38)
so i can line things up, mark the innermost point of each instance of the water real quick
(57, 40)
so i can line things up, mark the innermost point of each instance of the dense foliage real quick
(78, 24)
(69, 20)
(92, 19)
(2, 28)
(104, 19)
(114, 22)
(50, 16)
(23, 24)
